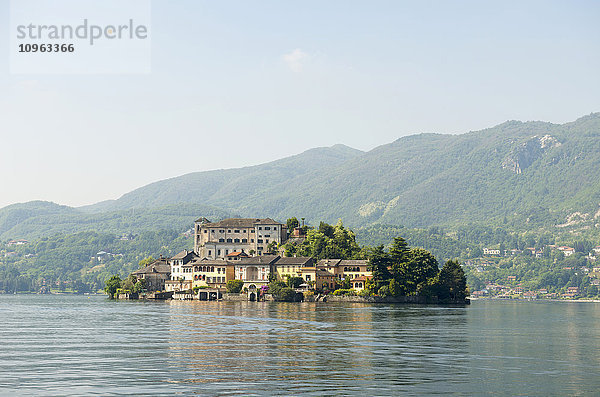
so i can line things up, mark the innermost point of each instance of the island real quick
(259, 259)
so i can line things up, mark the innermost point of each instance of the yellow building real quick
(291, 266)
(356, 270)
(212, 273)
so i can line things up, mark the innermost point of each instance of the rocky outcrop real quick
(521, 157)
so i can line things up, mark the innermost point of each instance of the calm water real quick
(78, 345)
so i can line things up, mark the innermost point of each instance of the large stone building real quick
(155, 274)
(216, 240)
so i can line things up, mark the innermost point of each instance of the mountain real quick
(232, 187)
(170, 204)
(515, 174)
(42, 219)
(518, 175)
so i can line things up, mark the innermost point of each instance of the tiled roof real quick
(183, 254)
(158, 266)
(297, 260)
(329, 262)
(241, 222)
(259, 260)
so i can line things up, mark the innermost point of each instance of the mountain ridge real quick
(516, 174)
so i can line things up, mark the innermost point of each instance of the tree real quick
(326, 229)
(234, 286)
(129, 283)
(272, 247)
(112, 285)
(378, 262)
(399, 250)
(418, 266)
(145, 262)
(140, 285)
(292, 223)
(294, 281)
(452, 282)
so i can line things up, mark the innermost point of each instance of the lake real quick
(86, 345)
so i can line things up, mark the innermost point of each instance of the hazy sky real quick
(238, 83)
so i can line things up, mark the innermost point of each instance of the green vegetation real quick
(82, 262)
(513, 186)
(327, 242)
(402, 271)
(234, 286)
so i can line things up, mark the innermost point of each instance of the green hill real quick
(518, 175)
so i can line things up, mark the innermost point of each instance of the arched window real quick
(212, 268)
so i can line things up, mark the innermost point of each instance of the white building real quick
(249, 235)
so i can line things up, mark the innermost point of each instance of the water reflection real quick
(67, 345)
(311, 348)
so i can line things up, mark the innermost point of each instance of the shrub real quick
(234, 286)
(276, 286)
(344, 292)
(294, 282)
(285, 295)
(384, 291)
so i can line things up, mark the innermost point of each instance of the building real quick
(291, 266)
(568, 251)
(490, 251)
(17, 242)
(254, 271)
(346, 268)
(155, 274)
(212, 273)
(181, 271)
(253, 236)
(319, 278)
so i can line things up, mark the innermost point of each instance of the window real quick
(212, 230)
(275, 228)
(219, 252)
(228, 231)
(267, 241)
(259, 228)
(229, 240)
(267, 228)
(209, 252)
(244, 240)
(237, 240)
(205, 231)
(244, 231)
(260, 240)
(251, 240)
(252, 231)
(236, 231)
(267, 235)
(226, 252)
(221, 240)
(221, 231)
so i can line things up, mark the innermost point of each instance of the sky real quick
(238, 83)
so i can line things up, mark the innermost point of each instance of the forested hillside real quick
(515, 175)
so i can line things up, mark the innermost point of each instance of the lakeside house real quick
(155, 274)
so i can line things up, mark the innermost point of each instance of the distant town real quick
(512, 289)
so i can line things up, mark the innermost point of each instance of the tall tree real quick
(452, 282)
(379, 261)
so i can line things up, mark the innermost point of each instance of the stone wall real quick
(390, 299)
(235, 297)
